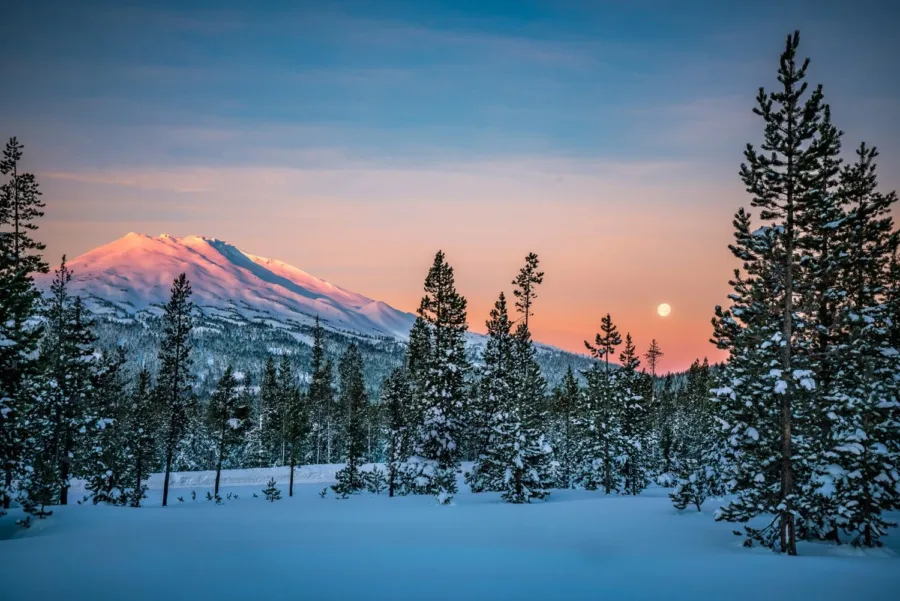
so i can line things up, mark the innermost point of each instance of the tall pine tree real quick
(20, 331)
(353, 400)
(227, 418)
(174, 384)
(601, 427)
(442, 392)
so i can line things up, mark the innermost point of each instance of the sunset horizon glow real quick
(605, 138)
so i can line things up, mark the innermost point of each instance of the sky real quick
(355, 139)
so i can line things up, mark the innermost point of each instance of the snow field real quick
(578, 545)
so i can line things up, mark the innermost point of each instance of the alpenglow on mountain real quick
(135, 273)
(248, 308)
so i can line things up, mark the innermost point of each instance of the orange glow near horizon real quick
(620, 247)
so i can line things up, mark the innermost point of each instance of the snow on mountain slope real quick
(135, 273)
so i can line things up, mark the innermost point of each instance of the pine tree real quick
(20, 332)
(526, 282)
(228, 417)
(821, 222)
(174, 382)
(67, 355)
(779, 178)
(566, 407)
(601, 428)
(321, 397)
(749, 408)
(696, 457)
(495, 404)
(354, 400)
(862, 477)
(103, 449)
(418, 353)
(531, 474)
(443, 389)
(142, 425)
(653, 356)
(665, 425)
(296, 417)
(396, 397)
(272, 415)
(20, 206)
(271, 492)
(631, 405)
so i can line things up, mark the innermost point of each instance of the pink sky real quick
(612, 237)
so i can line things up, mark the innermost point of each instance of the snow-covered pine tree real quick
(103, 452)
(254, 452)
(631, 407)
(272, 414)
(766, 475)
(418, 353)
(866, 412)
(396, 397)
(749, 410)
(665, 424)
(443, 388)
(142, 426)
(321, 397)
(778, 179)
(174, 384)
(353, 399)
(494, 404)
(695, 462)
(821, 221)
(601, 426)
(20, 330)
(227, 417)
(532, 473)
(566, 404)
(67, 355)
(296, 417)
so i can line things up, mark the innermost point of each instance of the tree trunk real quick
(169, 449)
(293, 459)
(65, 470)
(136, 501)
(788, 541)
(392, 474)
(165, 498)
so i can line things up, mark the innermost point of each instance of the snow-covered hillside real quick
(135, 273)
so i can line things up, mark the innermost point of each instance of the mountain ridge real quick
(134, 274)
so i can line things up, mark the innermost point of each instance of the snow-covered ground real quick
(579, 545)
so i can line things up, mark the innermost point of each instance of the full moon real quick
(664, 309)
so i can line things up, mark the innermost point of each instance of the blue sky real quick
(424, 80)
(606, 136)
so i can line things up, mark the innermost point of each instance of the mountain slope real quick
(134, 274)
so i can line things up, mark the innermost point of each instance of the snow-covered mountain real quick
(134, 274)
(250, 308)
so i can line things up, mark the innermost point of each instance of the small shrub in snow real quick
(271, 492)
(376, 481)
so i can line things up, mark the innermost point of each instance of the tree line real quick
(75, 409)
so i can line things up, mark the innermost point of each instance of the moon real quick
(664, 310)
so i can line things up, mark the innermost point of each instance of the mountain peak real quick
(135, 273)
